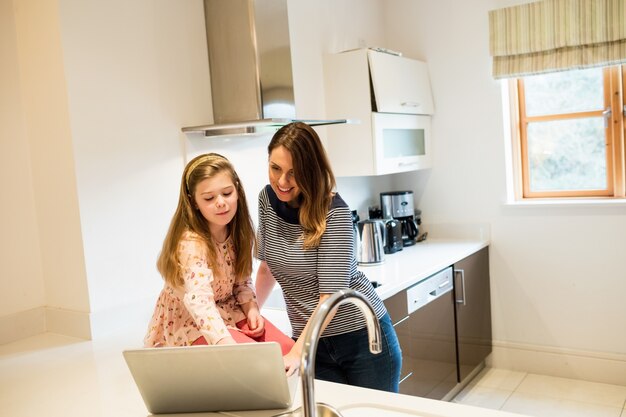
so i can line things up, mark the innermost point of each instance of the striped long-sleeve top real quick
(305, 274)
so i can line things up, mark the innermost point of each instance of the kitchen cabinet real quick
(423, 316)
(388, 101)
(472, 311)
(447, 336)
(400, 84)
(397, 308)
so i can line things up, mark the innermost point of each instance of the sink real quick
(359, 410)
(323, 410)
(378, 410)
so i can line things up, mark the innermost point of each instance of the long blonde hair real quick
(312, 173)
(187, 218)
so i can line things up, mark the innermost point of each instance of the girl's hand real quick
(292, 362)
(256, 324)
(228, 340)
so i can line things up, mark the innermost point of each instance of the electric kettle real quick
(371, 242)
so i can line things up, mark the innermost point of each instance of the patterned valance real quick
(557, 35)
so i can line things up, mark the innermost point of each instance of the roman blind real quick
(557, 35)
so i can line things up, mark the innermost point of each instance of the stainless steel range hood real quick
(250, 66)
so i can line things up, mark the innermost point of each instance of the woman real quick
(305, 243)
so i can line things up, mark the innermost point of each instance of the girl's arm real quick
(244, 294)
(199, 298)
(256, 323)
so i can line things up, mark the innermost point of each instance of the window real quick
(569, 133)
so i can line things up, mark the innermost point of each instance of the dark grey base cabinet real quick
(472, 311)
(427, 340)
(443, 341)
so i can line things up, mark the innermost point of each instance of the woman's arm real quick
(292, 359)
(264, 284)
(335, 256)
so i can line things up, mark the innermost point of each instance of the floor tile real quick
(576, 390)
(481, 396)
(51, 375)
(38, 343)
(545, 406)
(503, 379)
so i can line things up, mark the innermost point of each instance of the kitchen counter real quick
(412, 264)
(399, 271)
(363, 402)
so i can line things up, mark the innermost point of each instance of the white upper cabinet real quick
(401, 85)
(388, 99)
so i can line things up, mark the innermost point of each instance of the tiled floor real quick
(51, 375)
(543, 396)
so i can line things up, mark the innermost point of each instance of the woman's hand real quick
(292, 361)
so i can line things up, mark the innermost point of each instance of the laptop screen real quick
(247, 376)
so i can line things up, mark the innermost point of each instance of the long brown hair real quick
(312, 173)
(187, 217)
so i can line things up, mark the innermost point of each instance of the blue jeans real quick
(346, 359)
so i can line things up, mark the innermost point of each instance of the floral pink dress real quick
(206, 305)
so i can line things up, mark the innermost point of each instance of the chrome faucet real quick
(311, 339)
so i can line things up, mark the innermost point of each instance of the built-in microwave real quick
(402, 142)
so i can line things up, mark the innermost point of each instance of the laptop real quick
(246, 376)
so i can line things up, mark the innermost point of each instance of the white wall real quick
(48, 260)
(21, 276)
(136, 73)
(557, 277)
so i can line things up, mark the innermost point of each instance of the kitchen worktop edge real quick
(414, 263)
(346, 397)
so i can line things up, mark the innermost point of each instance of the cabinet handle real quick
(400, 321)
(410, 104)
(462, 272)
(409, 375)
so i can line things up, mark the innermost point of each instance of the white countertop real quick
(412, 264)
(353, 401)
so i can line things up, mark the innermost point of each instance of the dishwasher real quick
(427, 337)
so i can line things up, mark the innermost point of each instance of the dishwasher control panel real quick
(429, 289)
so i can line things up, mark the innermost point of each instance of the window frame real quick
(615, 98)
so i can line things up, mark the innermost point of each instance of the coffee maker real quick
(399, 205)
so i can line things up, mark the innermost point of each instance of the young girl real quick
(206, 262)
